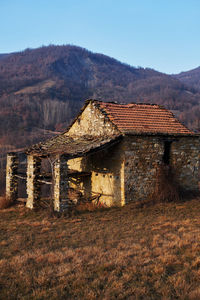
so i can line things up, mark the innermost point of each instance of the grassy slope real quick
(137, 253)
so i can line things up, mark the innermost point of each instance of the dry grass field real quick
(129, 253)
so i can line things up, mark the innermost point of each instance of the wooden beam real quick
(44, 181)
(21, 177)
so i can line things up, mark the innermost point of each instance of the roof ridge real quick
(124, 104)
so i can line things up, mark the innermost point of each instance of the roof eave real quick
(161, 134)
(70, 155)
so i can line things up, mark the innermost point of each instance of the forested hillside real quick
(44, 88)
(41, 90)
(191, 78)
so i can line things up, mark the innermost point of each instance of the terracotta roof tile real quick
(144, 118)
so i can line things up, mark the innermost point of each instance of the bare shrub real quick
(90, 206)
(166, 187)
(4, 202)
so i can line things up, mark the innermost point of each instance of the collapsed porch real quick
(59, 151)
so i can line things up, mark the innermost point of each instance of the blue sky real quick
(159, 34)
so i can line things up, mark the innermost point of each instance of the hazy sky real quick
(159, 34)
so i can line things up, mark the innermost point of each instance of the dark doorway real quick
(21, 178)
(167, 150)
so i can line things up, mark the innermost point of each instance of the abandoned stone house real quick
(112, 151)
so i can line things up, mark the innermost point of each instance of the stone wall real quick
(185, 161)
(92, 122)
(144, 155)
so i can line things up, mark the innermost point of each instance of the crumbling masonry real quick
(112, 151)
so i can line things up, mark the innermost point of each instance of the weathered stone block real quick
(11, 179)
(60, 184)
(32, 185)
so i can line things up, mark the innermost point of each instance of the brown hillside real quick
(191, 78)
(43, 89)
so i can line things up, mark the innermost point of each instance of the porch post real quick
(32, 184)
(60, 184)
(11, 179)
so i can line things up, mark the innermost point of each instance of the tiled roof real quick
(73, 146)
(143, 118)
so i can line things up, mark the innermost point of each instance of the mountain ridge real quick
(191, 77)
(47, 86)
(42, 90)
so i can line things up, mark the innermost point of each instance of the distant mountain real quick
(2, 56)
(191, 78)
(44, 88)
(41, 90)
